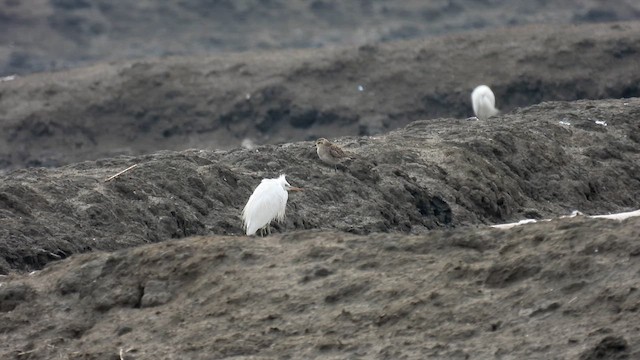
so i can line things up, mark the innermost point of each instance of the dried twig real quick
(120, 173)
(22, 353)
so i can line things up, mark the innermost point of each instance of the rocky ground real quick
(388, 257)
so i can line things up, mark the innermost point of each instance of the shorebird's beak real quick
(293, 188)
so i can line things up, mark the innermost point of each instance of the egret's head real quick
(285, 184)
(322, 141)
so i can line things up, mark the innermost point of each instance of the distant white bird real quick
(268, 202)
(484, 102)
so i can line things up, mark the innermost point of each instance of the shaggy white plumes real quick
(268, 202)
(484, 102)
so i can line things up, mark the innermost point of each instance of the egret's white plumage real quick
(484, 102)
(268, 202)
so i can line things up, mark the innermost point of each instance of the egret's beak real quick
(293, 188)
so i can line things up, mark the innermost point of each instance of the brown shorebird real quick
(330, 153)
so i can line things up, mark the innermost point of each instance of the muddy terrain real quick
(402, 288)
(276, 97)
(388, 256)
(45, 35)
(542, 161)
(561, 290)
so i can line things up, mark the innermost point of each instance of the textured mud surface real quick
(563, 289)
(363, 267)
(542, 161)
(390, 256)
(40, 35)
(217, 103)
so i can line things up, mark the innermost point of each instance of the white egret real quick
(484, 102)
(267, 203)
